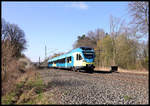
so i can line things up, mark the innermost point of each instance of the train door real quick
(65, 62)
(78, 60)
(69, 62)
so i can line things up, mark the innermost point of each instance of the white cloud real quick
(79, 5)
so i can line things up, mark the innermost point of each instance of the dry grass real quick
(10, 77)
(29, 89)
(24, 87)
(122, 70)
(21, 85)
(133, 71)
(14, 72)
(103, 68)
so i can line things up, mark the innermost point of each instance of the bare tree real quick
(90, 39)
(114, 29)
(117, 27)
(95, 36)
(15, 35)
(84, 41)
(140, 12)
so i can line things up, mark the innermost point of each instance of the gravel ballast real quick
(97, 87)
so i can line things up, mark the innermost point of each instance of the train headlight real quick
(83, 63)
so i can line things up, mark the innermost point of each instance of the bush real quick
(10, 77)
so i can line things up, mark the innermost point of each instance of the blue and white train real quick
(81, 58)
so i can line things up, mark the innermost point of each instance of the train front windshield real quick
(89, 55)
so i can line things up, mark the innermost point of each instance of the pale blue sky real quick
(57, 24)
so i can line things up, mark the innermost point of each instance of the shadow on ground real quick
(105, 72)
(83, 71)
(61, 83)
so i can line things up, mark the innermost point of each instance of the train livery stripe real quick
(85, 63)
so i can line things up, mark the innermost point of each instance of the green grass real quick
(38, 84)
(127, 97)
(22, 86)
(29, 92)
(8, 98)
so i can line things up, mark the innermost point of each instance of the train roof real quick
(80, 49)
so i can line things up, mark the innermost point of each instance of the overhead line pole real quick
(45, 53)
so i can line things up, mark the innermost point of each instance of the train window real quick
(62, 60)
(77, 57)
(49, 62)
(89, 55)
(68, 59)
(80, 58)
(57, 61)
(86, 48)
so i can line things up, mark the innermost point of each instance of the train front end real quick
(88, 55)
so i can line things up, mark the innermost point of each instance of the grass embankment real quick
(29, 89)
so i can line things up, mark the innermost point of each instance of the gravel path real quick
(96, 88)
